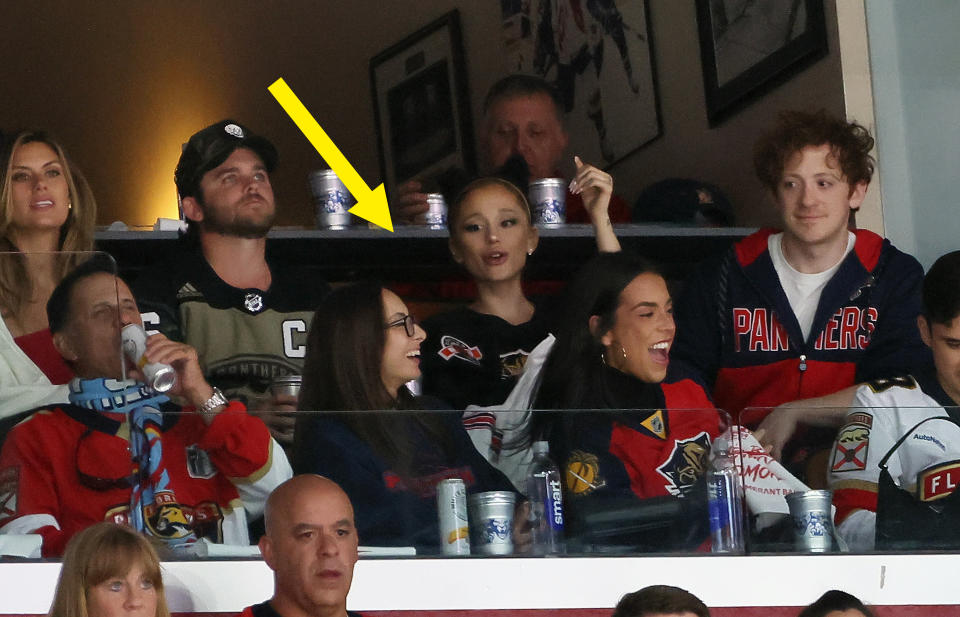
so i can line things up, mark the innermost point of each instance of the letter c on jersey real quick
(290, 349)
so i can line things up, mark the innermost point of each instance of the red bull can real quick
(437, 213)
(548, 199)
(452, 510)
(331, 200)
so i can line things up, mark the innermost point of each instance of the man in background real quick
(522, 115)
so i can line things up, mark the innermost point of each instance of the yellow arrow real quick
(371, 205)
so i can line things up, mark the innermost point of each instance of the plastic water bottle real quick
(725, 495)
(546, 501)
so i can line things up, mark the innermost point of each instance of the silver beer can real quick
(491, 522)
(437, 212)
(331, 200)
(452, 510)
(548, 199)
(159, 376)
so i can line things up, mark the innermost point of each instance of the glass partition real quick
(623, 482)
(888, 474)
(56, 324)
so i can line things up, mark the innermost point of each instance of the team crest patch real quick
(166, 518)
(512, 363)
(253, 302)
(199, 464)
(451, 347)
(853, 442)
(656, 425)
(938, 481)
(582, 473)
(9, 483)
(686, 463)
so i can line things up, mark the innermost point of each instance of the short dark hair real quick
(941, 289)
(834, 600)
(660, 599)
(849, 142)
(58, 306)
(517, 85)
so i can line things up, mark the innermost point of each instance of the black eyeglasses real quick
(408, 323)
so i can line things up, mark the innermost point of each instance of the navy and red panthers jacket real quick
(736, 330)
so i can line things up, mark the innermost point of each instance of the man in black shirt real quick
(311, 546)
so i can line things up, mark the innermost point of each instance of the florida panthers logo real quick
(686, 463)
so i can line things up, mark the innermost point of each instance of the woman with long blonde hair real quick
(47, 217)
(109, 570)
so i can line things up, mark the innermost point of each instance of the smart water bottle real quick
(725, 501)
(546, 502)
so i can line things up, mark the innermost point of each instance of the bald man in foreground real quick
(311, 546)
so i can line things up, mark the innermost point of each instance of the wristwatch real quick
(217, 399)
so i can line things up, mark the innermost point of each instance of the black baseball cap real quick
(211, 147)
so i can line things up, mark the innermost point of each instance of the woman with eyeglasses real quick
(109, 570)
(362, 428)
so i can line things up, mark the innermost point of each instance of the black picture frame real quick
(743, 60)
(600, 58)
(421, 105)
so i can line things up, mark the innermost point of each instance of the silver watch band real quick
(217, 399)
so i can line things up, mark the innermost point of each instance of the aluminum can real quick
(161, 377)
(415, 386)
(452, 510)
(286, 385)
(437, 212)
(548, 199)
(331, 200)
(812, 520)
(491, 522)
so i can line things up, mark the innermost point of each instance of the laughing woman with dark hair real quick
(636, 435)
(373, 437)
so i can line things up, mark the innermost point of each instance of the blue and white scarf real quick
(154, 509)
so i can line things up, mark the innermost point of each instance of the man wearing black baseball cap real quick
(247, 316)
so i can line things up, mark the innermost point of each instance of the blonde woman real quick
(109, 570)
(46, 207)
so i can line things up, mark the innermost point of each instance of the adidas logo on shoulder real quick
(188, 292)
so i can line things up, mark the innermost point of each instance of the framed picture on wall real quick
(421, 105)
(748, 47)
(599, 55)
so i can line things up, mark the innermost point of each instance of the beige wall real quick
(124, 83)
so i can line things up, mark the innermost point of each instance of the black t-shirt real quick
(266, 610)
(471, 358)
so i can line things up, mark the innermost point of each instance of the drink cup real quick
(161, 377)
(331, 200)
(812, 520)
(436, 216)
(286, 385)
(548, 200)
(491, 522)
